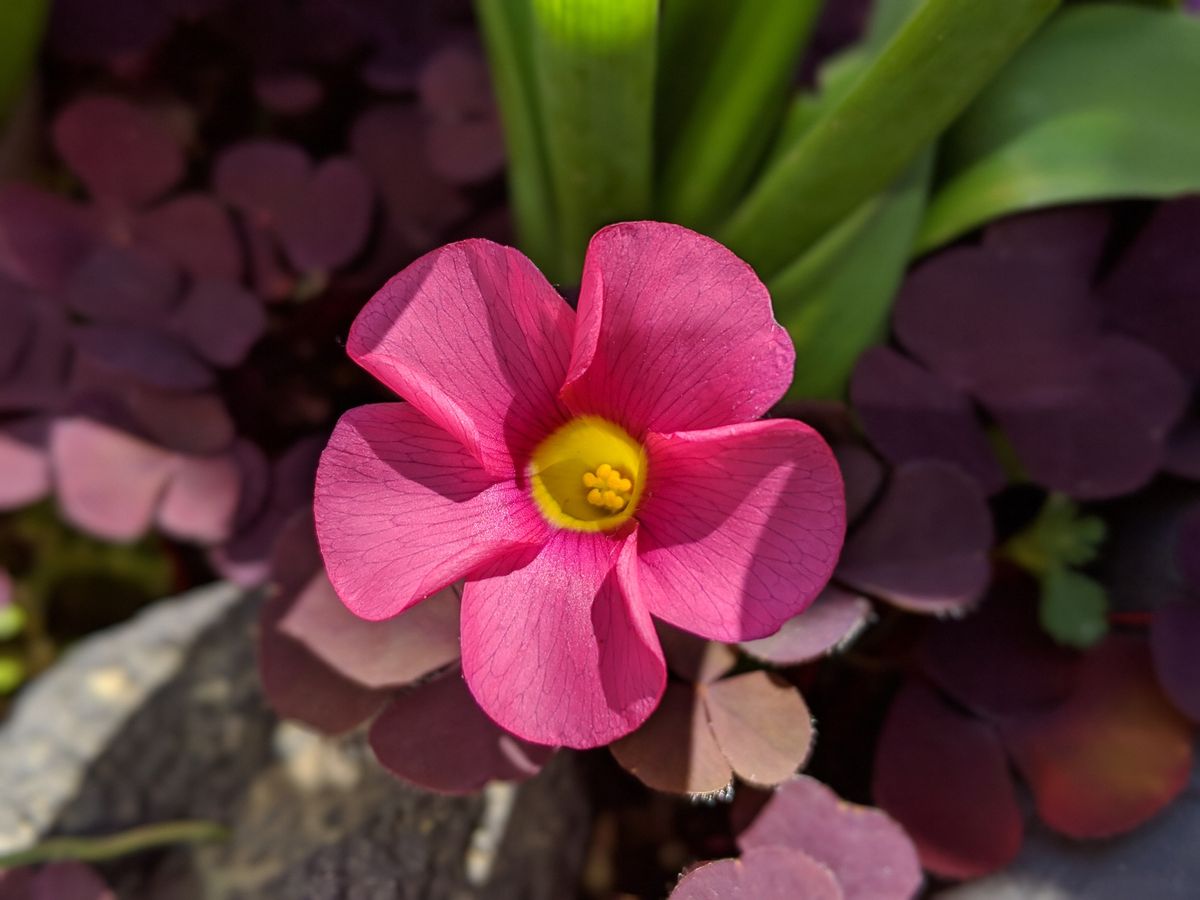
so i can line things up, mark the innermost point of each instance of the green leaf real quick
(1074, 608)
(926, 75)
(1057, 538)
(595, 64)
(1101, 105)
(740, 90)
(21, 25)
(507, 32)
(834, 301)
(12, 621)
(12, 673)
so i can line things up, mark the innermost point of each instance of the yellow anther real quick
(624, 485)
(590, 480)
(603, 471)
(595, 498)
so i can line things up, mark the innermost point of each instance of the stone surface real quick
(186, 734)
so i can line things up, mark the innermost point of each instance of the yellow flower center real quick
(588, 475)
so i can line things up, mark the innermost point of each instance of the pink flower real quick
(582, 471)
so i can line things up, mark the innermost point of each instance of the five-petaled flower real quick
(582, 471)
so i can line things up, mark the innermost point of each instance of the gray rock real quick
(163, 719)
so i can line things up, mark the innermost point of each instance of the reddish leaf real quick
(24, 463)
(770, 873)
(221, 320)
(435, 736)
(152, 356)
(869, 854)
(693, 658)
(193, 231)
(862, 474)
(122, 153)
(299, 686)
(1187, 545)
(1110, 757)
(761, 724)
(925, 545)
(945, 779)
(326, 222)
(1183, 450)
(187, 422)
(109, 482)
(288, 93)
(1175, 640)
(911, 414)
(124, 285)
(833, 621)
(998, 661)
(376, 654)
(43, 237)
(675, 751)
(201, 499)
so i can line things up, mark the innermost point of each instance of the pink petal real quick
(109, 482)
(406, 647)
(402, 510)
(675, 333)
(476, 338)
(871, 856)
(201, 500)
(833, 621)
(675, 750)
(740, 527)
(561, 651)
(436, 737)
(121, 152)
(768, 873)
(24, 463)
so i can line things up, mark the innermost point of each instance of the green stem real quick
(926, 75)
(111, 846)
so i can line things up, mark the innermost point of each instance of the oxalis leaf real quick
(1074, 608)
(922, 79)
(1100, 105)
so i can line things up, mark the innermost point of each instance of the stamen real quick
(607, 488)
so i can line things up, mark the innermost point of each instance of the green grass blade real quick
(507, 32)
(835, 300)
(595, 62)
(21, 25)
(740, 93)
(1101, 105)
(921, 81)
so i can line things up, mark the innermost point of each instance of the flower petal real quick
(561, 651)
(475, 337)
(436, 737)
(402, 510)
(675, 333)
(740, 527)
